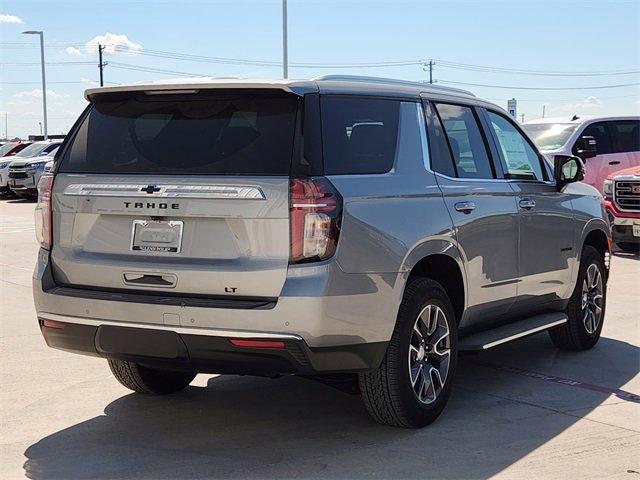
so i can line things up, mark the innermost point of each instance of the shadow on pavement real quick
(242, 427)
(18, 200)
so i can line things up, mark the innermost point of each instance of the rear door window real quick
(466, 142)
(626, 135)
(234, 133)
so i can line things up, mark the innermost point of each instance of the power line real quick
(129, 66)
(593, 87)
(518, 71)
(46, 63)
(379, 64)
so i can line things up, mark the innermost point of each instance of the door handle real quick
(465, 207)
(614, 162)
(526, 204)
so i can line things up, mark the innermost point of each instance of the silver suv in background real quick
(28, 165)
(359, 231)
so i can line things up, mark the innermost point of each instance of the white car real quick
(28, 165)
(605, 144)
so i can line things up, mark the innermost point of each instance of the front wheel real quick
(413, 383)
(142, 379)
(586, 307)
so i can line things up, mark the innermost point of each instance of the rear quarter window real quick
(359, 135)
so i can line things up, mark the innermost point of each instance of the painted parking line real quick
(622, 394)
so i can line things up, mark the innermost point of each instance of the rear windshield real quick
(243, 134)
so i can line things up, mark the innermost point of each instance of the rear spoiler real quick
(195, 85)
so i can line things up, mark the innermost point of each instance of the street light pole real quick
(44, 82)
(285, 53)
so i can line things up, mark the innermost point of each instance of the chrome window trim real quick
(230, 192)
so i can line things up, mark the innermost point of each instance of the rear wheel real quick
(412, 385)
(629, 247)
(149, 380)
(586, 307)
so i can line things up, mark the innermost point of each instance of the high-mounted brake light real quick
(315, 217)
(43, 213)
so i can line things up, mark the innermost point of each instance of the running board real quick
(512, 331)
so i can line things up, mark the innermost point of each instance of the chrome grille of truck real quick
(627, 195)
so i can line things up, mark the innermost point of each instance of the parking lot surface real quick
(524, 410)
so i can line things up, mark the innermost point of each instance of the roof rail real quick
(393, 81)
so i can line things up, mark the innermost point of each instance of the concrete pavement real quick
(524, 410)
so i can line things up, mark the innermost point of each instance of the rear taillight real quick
(44, 216)
(315, 217)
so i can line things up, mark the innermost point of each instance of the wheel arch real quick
(441, 262)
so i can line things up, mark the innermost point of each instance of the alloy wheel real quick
(429, 353)
(592, 294)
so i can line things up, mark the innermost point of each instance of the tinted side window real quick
(359, 135)
(600, 132)
(441, 160)
(522, 161)
(465, 141)
(626, 136)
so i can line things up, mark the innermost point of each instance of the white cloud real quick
(10, 18)
(74, 52)
(37, 93)
(112, 42)
(589, 103)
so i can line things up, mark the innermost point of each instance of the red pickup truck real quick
(622, 200)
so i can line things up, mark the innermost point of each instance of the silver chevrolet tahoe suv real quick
(358, 231)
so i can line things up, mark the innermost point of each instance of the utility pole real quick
(544, 107)
(101, 64)
(285, 53)
(522, 116)
(431, 64)
(6, 125)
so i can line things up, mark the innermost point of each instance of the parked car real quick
(622, 201)
(605, 144)
(7, 151)
(28, 165)
(420, 223)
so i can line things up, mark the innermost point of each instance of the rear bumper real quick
(185, 350)
(341, 322)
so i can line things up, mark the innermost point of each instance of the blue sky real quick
(541, 36)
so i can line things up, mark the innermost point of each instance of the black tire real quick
(574, 335)
(387, 392)
(629, 247)
(147, 380)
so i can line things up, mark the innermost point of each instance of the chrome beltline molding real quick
(232, 192)
(171, 328)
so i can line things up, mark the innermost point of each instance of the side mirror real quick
(586, 147)
(567, 169)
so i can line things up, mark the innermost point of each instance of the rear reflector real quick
(238, 342)
(53, 324)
